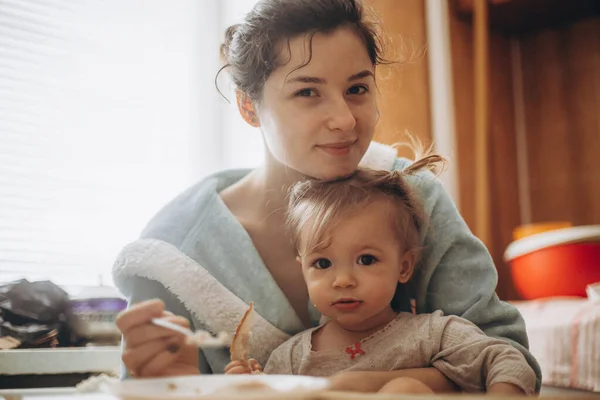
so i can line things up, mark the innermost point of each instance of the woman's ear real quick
(407, 266)
(246, 108)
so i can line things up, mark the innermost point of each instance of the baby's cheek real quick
(318, 296)
(383, 294)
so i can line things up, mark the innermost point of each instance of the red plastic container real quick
(555, 263)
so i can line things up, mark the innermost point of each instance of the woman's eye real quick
(359, 89)
(306, 93)
(367, 259)
(322, 263)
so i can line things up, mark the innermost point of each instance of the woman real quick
(305, 72)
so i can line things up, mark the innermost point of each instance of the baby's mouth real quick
(346, 303)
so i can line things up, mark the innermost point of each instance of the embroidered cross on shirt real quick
(354, 351)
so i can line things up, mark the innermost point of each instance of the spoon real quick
(200, 338)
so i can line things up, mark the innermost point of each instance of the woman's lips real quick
(337, 149)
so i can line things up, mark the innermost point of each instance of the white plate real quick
(216, 387)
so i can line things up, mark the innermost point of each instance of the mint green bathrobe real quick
(198, 258)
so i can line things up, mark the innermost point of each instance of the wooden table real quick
(51, 394)
(69, 394)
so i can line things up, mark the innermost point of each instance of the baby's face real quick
(353, 279)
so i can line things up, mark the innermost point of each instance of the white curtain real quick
(107, 110)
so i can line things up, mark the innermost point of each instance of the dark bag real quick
(36, 313)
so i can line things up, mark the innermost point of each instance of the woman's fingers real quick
(137, 359)
(134, 358)
(162, 361)
(139, 314)
(151, 350)
(141, 334)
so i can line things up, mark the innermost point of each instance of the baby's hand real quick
(243, 367)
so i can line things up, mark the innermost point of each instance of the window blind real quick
(107, 111)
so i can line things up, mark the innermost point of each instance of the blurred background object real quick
(35, 315)
(556, 262)
(94, 312)
(544, 117)
(51, 339)
(523, 231)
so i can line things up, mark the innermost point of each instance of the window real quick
(107, 111)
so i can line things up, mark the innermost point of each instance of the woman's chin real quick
(333, 173)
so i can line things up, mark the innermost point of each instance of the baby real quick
(358, 241)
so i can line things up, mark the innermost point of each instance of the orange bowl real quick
(531, 229)
(561, 262)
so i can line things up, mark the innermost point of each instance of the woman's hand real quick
(243, 367)
(355, 381)
(153, 351)
(405, 385)
(373, 381)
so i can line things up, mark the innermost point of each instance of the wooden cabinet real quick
(522, 16)
(544, 118)
(403, 87)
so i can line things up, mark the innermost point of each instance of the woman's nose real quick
(341, 117)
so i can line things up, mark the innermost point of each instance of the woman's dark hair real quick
(250, 50)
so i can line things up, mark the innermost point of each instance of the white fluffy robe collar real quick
(214, 306)
(211, 303)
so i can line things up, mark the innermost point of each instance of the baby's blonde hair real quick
(317, 206)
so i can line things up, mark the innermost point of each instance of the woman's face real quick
(319, 119)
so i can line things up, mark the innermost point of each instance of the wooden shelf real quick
(523, 16)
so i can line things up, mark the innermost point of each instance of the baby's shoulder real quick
(426, 327)
(421, 321)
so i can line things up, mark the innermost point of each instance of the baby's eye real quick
(367, 259)
(322, 263)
